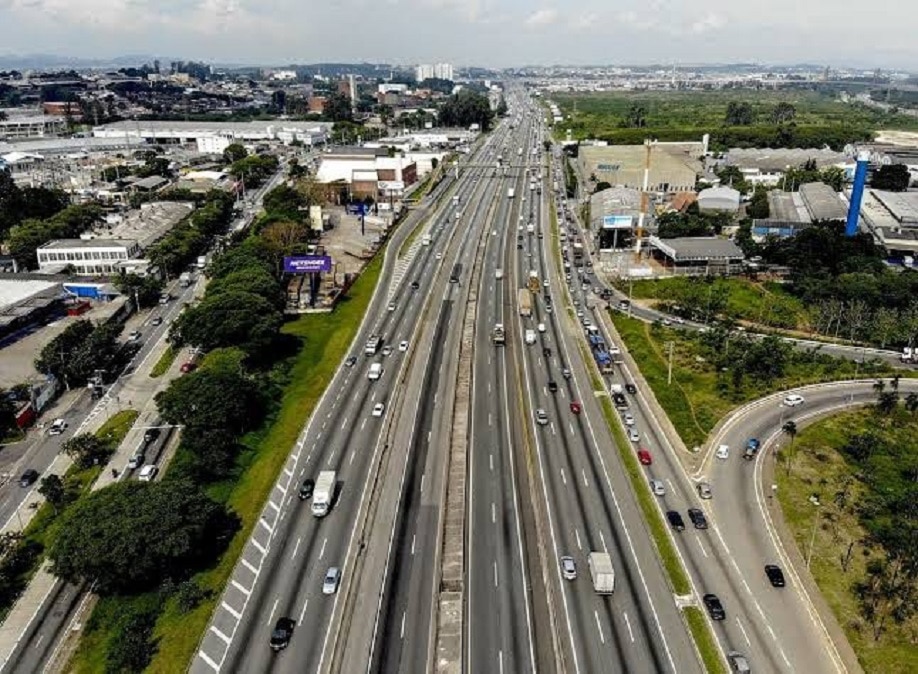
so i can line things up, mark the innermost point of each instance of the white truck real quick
(202, 262)
(375, 372)
(530, 337)
(372, 345)
(499, 274)
(425, 240)
(909, 354)
(184, 280)
(510, 192)
(324, 493)
(602, 572)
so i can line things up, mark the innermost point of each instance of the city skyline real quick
(481, 32)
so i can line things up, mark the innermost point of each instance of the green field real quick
(767, 304)
(699, 396)
(686, 115)
(819, 469)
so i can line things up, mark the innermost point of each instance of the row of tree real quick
(82, 351)
(466, 107)
(24, 238)
(26, 203)
(193, 235)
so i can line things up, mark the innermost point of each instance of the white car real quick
(656, 486)
(723, 452)
(378, 409)
(541, 327)
(58, 426)
(387, 350)
(332, 578)
(392, 306)
(545, 283)
(148, 472)
(629, 419)
(793, 400)
(633, 435)
(438, 255)
(541, 417)
(403, 346)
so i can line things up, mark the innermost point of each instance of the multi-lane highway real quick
(283, 564)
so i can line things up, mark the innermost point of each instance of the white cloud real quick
(542, 17)
(708, 23)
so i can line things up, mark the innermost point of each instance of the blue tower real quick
(857, 193)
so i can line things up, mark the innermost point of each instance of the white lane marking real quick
(552, 426)
(402, 631)
(563, 477)
(490, 420)
(274, 505)
(602, 539)
(570, 424)
(351, 460)
(493, 513)
(743, 630)
(296, 547)
(364, 423)
(233, 612)
(586, 483)
(264, 523)
(322, 550)
(273, 609)
(209, 660)
(628, 623)
(602, 637)
(577, 536)
(251, 567)
(422, 482)
(373, 397)
(669, 482)
(495, 574)
(356, 395)
(489, 388)
(242, 588)
(703, 551)
(413, 539)
(344, 424)
(303, 612)
(491, 462)
(223, 637)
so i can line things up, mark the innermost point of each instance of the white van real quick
(541, 327)
(499, 274)
(375, 371)
(530, 337)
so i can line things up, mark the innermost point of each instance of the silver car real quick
(633, 434)
(704, 490)
(656, 486)
(568, 568)
(332, 578)
(541, 417)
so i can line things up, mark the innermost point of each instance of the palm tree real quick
(790, 429)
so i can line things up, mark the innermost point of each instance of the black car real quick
(28, 478)
(150, 435)
(351, 361)
(775, 575)
(631, 388)
(546, 352)
(415, 285)
(698, 518)
(553, 386)
(715, 608)
(283, 631)
(675, 520)
(306, 488)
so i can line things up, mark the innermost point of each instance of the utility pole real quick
(669, 376)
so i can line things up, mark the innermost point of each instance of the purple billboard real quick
(307, 264)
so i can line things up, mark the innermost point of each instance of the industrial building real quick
(358, 172)
(674, 167)
(823, 203)
(32, 126)
(89, 257)
(614, 214)
(697, 254)
(214, 137)
(892, 217)
(767, 166)
(720, 198)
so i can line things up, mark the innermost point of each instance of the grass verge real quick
(165, 362)
(841, 549)
(704, 640)
(326, 339)
(20, 565)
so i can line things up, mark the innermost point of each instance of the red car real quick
(644, 457)
(190, 366)
(576, 407)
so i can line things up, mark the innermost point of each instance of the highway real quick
(588, 501)
(282, 565)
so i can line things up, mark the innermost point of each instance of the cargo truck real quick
(498, 335)
(533, 283)
(510, 192)
(602, 572)
(184, 280)
(324, 493)
(525, 301)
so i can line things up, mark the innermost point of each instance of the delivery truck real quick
(324, 493)
(602, 572)
(525, 302)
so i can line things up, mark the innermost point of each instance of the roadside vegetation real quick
(21, 554)
(860, 467)
(734, 118)
(165, 362)
(715, 371)
(241, 412)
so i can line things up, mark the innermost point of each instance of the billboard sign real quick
(357, 209)
(617, 222)
(307, 264)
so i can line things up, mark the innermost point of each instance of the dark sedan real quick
(775, 575)
(714, 607)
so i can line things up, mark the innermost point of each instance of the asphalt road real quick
(283, 564)
(588, 500)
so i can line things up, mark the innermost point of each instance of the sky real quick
(495, 33)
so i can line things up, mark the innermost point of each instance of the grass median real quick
(704, 640)
(165, 362)
(326, 338)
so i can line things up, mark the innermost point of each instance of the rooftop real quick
(823, 202)
(65, 244)
(697, 248)
(777, 160)
(903, 206)
(15, 291)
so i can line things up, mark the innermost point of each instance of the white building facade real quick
(90, 257)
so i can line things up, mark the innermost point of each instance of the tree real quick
(790, 429)
(285, 201)
(911, 402)
(601, 185)
(783, 113)
(87, 450)
(132, 651)
(254, 280)
(144, 289)
(211, 399)
(130, 536)
(738, 114)
(52, 488)
(234, 152)
(464, 108)
(892, 177)
(635, 117)
(501, 109)
(231, 318)
(758, 205)
(7, 413)
(338, 108)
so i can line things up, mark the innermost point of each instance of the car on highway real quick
(628, 418)
(306, 488)
(568, 568)
(634, 435)
(332, 578)
(545, 282)
(793, 400)
(723, 452)
(580, 313)
(631, 388)
(378, 409)
(704, 490)
(156, 320)
(645, 459)
(391, 306)
(148, 472)
(282, 633)
(714, 607)
(738, 663)
(165, 298)
(58, 426)
(351, 361)
(541, 417)
(675, 520)
(565, 373)
(415, 285)
(553, 386)
(775, 575)
(403, 345)
(752, 448)
(136, 460)
(656, 486)
(387, 350)
(28, 477)
(439, 256)
(546, 352)
(576, 407)
(540, 327)
(699, 521)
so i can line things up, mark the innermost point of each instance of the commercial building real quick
(365, 172)
(698, 255)
(89, 257)
(892, 217)
(614, 214)
(674, 167)
(214, 137)
(38, 126)
(823, 203)
(440, 71)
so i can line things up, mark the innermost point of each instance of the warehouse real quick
(724, 199)
(674, 167)
(698, 255)
(214, 137)
(823, 203)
